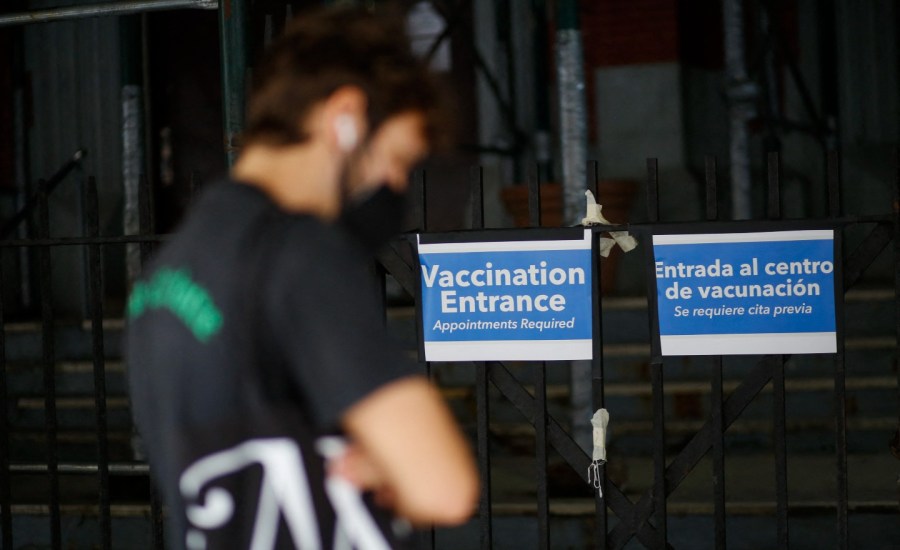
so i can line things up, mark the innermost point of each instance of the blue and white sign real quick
(507, 300)
(746, 293)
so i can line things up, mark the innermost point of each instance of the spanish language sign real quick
(506, 300)
(746, 293)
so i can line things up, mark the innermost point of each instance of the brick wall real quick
(626, 32)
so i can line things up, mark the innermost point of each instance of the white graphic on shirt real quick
(355, 527)
(284, 491)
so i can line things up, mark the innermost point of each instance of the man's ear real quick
(344, 118)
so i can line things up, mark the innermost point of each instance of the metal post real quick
(741, 94)
(540, 394)
(779, 437)
(773, 203)
(482, 387)
(132, 136)
(49, 364)
(145, 225)
(6, 540)
(95, 276)
(840, 370)
(716, 404)
(656, 382)
(233, 44)
(581, 372)
(779, 428)
(895, 441)
(540, 46)
(427, 536)
(100, 10)
(572, 109)
(598, 391)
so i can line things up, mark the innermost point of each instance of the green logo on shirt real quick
(173, 289)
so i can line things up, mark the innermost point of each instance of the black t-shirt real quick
(250, 334)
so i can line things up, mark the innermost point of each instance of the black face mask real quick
(375, 219)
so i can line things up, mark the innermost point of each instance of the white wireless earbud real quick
(345, 130)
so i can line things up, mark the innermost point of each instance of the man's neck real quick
(299, 178)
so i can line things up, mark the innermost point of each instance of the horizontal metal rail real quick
(98, 10)
(123, 468)
(73, 241)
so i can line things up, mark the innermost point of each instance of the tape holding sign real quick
(746, 293)
(507, 300)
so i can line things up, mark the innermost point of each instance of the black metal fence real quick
(646, 519)
(50, 473)
(30, 482)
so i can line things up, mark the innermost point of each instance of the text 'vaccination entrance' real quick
(507, 300)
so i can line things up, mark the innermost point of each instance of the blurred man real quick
(254, 335)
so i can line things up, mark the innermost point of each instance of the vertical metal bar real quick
(656, 381)
(428, 537)
(476, 196)
(840, 373)
(482, 386)
(659, 451)
(534, 196)
(5, 497)
(773, 210)
(652, 190)
(840, 432)
(540, 62)
(145, 218)
(779, 435)
(740, 94)
(573, 117)
(95, 274)
(716, 395)
(895, 446)
(712, 190)
(828, 70)
(834, 184)
(482, 404)
(232, 35)
(540, 426)
(423, 223)
(49, 360)
(421, 199)
(598, 394)
(718, 430)
(540, 391)
(156, 518)
(130, 42)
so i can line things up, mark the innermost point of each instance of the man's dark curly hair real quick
(324, 50)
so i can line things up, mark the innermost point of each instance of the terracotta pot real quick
(616, 196)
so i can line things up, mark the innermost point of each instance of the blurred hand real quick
(355, 466)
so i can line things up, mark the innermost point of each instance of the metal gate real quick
(645, 519)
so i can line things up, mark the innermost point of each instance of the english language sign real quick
(746, 293)
(506, 300)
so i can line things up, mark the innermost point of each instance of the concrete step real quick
(73, 445)
(871, 406)
(72, 413)
(808, 531)
(749, 484)
(72, 378)
(72, 341)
